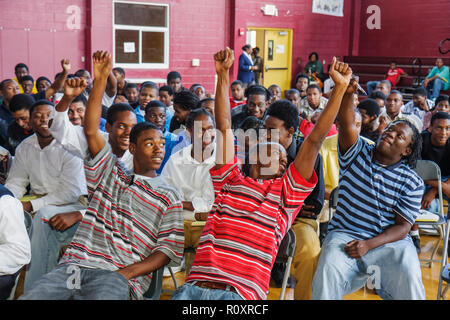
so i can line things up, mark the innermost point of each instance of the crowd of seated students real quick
(250, 162)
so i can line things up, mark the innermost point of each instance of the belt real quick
(214, 285)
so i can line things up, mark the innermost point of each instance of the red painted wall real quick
(409, 28)
(36, 33)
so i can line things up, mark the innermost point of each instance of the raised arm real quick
(60, 80)
(111, 85)
(224, 139)
(72, 88)
(348, 132)
(306, 157)
(102, 68)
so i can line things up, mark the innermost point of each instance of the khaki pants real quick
(306, 256)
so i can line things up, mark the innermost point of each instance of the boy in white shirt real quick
(57, 178)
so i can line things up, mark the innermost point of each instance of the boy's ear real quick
(132, 148)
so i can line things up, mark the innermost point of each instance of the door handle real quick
(267, 68)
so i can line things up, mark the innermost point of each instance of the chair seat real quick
(429, 218)
(446, 273)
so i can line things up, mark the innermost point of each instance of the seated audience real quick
(43, 83)
(293, 95)
(262, 206)
(155, 112)
(301, 84)
(393, 75)
(394, 103)
(380, 97)
(207, 104)
(119, 122)
(275, 93)
(56, 180)
(166, 97)
(384, 86)
(174, 81)
(132, 93)
(149, 91)
(369, 110)
(257, 102)
(307, 125)
(14, 241)
(119, 74)
(419, 105)
(370, 228)
(442, 103)
(8, 88)
(21, 70)
(20, 129)
(438, 79)
(237, 94)
(149, 240)
(314, 67)
(27, 84)
(198, 90)
(313, 101)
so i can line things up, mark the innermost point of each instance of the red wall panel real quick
(409, 28)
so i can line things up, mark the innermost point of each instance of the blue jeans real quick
(393, 268)
(46, 242)
(189, 291)
(434, 87)
(70, 282)
(371, 86)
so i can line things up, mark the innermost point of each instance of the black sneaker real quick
(416, 241)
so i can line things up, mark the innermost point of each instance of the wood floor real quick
(430, 278)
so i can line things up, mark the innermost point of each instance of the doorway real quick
(275, 46)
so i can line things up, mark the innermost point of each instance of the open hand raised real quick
(102, 64)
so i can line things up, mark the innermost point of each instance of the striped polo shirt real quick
(244, 230)
(128, 218)
(370, 194)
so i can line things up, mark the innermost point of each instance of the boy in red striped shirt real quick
(251, 215)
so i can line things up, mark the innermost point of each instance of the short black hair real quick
(292, 91)
(371, 106)
(313, 53)
(139, 128)
(81, 98)
(387, 82)
(257, 90)
(186, 100)
(27, 78)
(21, 65)
(4, 82)
(301, 75)
(247, 46)
(130, 85)
(396, 92)
(119, 70)
(194, 114)
(314, 86)
(377, 94)
(421, 91)
(285, 111)
(168, 89)
(42, 79)
(21, 101)
(114, 109)
(199, 105)
(442, 97)
(42, 102)
(154, 104)
(438, 116)
(149, 84)
(173, 75)
(251, 122)
(237, 82)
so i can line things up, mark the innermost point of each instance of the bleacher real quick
(375, 68)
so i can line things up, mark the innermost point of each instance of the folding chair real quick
(155, 289)
(334, 195)
(445, 266)
(286, 255)
(429, 170)
(28, 220)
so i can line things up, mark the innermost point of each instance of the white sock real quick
(413, 233)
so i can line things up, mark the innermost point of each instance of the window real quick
(141, 35)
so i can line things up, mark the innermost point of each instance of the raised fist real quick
(224, 60)
(340, 72)
(65, 64)
(73, 87)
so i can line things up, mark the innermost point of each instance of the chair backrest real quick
(28, 219)
(332, 204)
(287, 247)
(429, 170)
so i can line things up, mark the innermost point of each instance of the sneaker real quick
(174, 270)
(416, 241)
